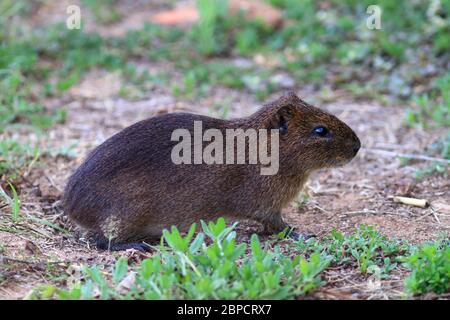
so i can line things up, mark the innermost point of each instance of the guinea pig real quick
(140, 181)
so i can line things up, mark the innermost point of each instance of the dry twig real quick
(392, 154)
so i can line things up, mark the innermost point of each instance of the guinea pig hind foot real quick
(294, 235)
(111, 246)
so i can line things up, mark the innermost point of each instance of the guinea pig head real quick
(311, 138)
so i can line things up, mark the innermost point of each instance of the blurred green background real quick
(323, 46)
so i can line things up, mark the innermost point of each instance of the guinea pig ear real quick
(280, 120)
(290, 97)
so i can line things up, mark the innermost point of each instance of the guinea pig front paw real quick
(139, 246)
(294, 235)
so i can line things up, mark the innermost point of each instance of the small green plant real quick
(16, 157)
(430, 269)
(17, 69)
(434, 109)
(369, 247)
(189, 267)
(366, 247)
(252, 35)
(13, 201)
(434, 168)
(302, 200)
(209, 32)
(15, 109)
(442, 148)
(104, 11)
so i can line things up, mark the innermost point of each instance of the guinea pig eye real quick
(321, 131)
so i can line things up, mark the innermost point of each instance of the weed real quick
(302, 200)
(430, 269)
(434, 108)
(16, 157)
(434, 168)
(211, 265)
(209, 33)
(189, 267)
(441, 147)
(366, 247)
(13, 202)
(104, 11)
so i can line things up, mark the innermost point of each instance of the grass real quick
(211, 264)
(13, 201)
(366, 248)
(195, 268)
(440, 148)
(16, 107)
(430, 269)
(210, 33)
(104, 11)
(432, 109)
(17, 158)
(334, 37)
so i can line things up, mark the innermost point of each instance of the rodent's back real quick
(132, 174)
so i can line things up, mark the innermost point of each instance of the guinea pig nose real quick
(356, 147)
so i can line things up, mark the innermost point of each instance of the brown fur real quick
(129, 190)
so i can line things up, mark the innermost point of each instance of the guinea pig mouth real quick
(340, 161)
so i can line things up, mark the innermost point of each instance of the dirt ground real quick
(342, 198)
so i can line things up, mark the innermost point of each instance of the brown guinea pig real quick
(130, 187)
